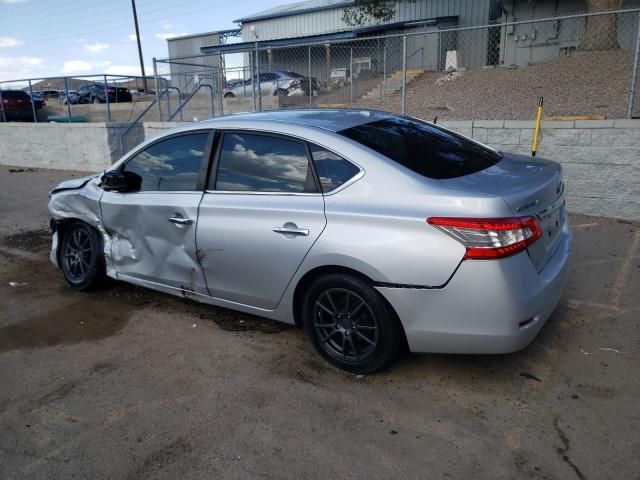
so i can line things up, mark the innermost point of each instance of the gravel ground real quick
(585, 83)
(128, 383)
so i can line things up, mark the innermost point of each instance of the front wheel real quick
(350, 324)
(96, 101)
(81, 257)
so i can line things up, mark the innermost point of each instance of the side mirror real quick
(114, 181)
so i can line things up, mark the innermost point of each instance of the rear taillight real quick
(111, 90)
(490, 238)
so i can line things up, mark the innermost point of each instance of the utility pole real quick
(135, 21)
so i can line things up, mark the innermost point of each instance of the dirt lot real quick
(126, 383)
(585, 83)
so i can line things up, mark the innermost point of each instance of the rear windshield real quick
(15, 95)
(426, 149)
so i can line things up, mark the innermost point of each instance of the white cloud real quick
(19, 67)
(9, 42)
(166, 25)
(166, 36)
(96, 47)
(14, 1)
(133, 37)
(103, 64)
(76, 66)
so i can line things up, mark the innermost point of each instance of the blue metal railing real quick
(142, 114)
(182, 105)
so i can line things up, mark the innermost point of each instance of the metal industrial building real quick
(310, 36)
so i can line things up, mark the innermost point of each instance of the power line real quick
(122, 14)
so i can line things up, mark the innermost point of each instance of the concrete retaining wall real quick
(601, 159)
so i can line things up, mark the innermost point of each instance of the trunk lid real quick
(530, 187)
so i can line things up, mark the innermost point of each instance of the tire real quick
(96, 101)
(81, 257)
(281, 92)
(229, 95)
(350, 324)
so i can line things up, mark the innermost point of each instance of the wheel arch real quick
(62, 225)
(309, 277)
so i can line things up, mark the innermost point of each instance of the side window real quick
(169, 165)
(332, 169)
(263, 163)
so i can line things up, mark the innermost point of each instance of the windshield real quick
(424, 148)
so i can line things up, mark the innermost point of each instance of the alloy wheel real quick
(345, 324)
(77, 254)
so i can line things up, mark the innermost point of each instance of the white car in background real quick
(280, 82)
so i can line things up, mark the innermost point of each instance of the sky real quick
(44, 38)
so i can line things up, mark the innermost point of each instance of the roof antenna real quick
(435, 120)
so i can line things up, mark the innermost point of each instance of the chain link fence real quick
(584, 65)
(87, 98)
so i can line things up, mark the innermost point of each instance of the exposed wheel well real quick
(317, 272)
(61, 226)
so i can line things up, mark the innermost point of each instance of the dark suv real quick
(95, 93)
(15, 105)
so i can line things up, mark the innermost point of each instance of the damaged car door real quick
(152, 219)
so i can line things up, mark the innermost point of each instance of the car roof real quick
(332, 120)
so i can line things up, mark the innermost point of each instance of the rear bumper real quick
(481, 308)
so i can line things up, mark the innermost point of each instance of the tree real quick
(601, 31)
(364, 11)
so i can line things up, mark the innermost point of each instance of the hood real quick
(73, 183)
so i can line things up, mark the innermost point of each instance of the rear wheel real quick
(281, 92)
(229, 95)
(350, 324)
(96, 100)
(81, 257)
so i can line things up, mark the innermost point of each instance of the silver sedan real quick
(373, 232)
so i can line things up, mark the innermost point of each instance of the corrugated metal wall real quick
(472, 45)
(470, 12)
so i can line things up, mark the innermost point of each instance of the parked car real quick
(15, 105)
(72, 97)
(371, 231)
(50, 93)
(38, 100)
(95, 93)
(280, 83)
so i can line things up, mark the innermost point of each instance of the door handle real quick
(292, 231)
(180, 220)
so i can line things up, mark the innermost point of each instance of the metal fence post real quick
(634, 74)
(252, 77)
(310, 83)
(351, 76)
(66, 96)
(221, 77)
(257, 79)
(33, 105)
(383, 91)
(4, 115)
(106, 97)
(404, 73)
(157, 89)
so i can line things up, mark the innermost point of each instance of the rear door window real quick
(424, 148)
(333, 170)
(263, 163)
